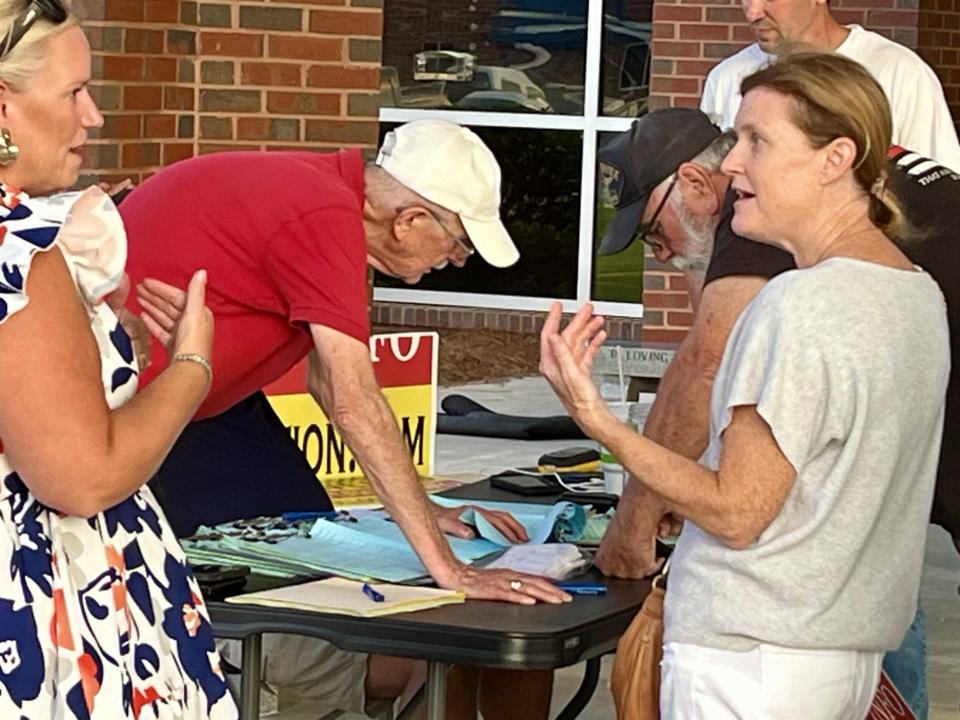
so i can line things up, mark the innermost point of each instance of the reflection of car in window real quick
(501, 101)
(443, 65)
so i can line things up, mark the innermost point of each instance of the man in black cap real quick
(676, 200)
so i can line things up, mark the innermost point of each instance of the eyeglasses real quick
(462, 240)
(53, 9)
(650, 228)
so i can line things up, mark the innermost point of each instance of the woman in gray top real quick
(799, 562)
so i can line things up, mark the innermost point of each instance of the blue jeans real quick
(907, 666)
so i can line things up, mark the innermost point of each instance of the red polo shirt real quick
(281, 237)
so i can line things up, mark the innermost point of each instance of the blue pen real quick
(372, 594)
(583, 588)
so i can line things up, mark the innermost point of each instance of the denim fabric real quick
(907, 666)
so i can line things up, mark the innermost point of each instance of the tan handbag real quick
(635, 679)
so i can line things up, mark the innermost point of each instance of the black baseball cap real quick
(646, 155)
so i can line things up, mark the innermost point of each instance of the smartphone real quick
(525, 484)
(120, 195)
(217, 581)
(600, 501)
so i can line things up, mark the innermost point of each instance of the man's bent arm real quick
(679, 420)
(680, 416)
(341, 379)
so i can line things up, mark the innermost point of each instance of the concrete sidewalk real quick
(532, 396)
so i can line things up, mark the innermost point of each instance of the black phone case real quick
(525, 484)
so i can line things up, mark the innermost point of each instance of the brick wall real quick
(691, 36)
(176, 79)
(938, 42)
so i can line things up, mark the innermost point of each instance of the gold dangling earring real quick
(9, 150)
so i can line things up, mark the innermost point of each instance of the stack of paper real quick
(346, 597)
(553, 560)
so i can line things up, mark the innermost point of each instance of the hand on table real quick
(504, 585)
(448, 518)
(565, 360)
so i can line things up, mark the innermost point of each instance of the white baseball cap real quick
(449, 165)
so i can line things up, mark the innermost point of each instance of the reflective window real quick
(499, 55)
(625, 72)
(617, 277)
(541, 209)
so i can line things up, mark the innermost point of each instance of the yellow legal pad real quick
(346, 597)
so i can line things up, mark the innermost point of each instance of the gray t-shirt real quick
(847, 362)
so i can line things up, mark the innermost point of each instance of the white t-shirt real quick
(921, 119)
(847, 362)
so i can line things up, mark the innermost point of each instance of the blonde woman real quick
(99, 615)
(799, 562)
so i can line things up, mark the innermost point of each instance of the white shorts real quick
(298, 669)
(768, 682)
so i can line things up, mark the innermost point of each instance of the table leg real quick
(250, 677)
(436, 690)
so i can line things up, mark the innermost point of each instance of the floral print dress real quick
(99, 617)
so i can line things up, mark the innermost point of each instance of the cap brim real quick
(492, 241)
(623, 228)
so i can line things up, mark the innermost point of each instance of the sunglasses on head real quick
(54, 11)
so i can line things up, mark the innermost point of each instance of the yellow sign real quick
(406, 368)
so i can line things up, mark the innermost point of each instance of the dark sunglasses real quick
(651, 226)
(53, 9)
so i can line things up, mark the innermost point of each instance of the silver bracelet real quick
(199, 360)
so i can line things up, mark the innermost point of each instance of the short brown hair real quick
(838, 97)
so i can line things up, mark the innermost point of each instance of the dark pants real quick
(239, 464)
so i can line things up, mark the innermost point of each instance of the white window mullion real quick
(588, 171)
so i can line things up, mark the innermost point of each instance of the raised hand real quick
(565, 360)
(179, 320)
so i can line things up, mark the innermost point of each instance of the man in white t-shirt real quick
(921, 119)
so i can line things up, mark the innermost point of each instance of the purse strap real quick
(662, 575)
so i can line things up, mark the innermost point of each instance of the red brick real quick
(673, 49)
(207, 148)
(121, 126)
(732, 15)
(142, 97)
(298, 47)
(160, 126)
(338, 76)
(161, 69)
(695, 68)
(294, 103)
(675, 281)
(253, 128)
(364, 23)
(720, 50)
(121, 67)
(178, 98)
(141, 154)
(677, 13)
(679, 319)
(272, 74)
(231, 44)
(892, 18)
(704, 32)
(174, 152)
(658, 335)
(690, 101)
(138, 40)
(161, 11)
(664, 31)
(123, 10)
(744, 34)
(669, 300)
(675, 85)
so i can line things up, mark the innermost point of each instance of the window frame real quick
(590, 124)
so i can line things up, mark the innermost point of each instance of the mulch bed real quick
(481, 355)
